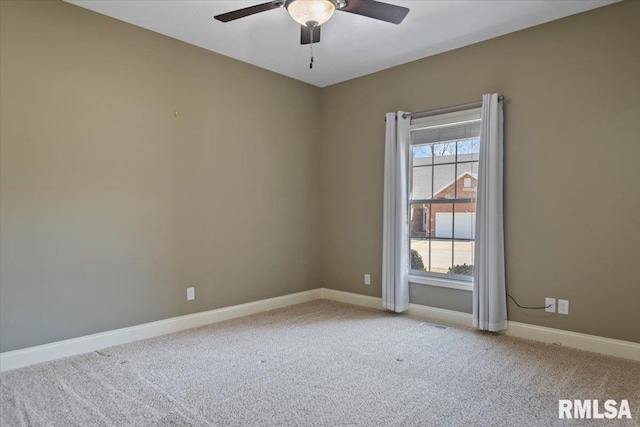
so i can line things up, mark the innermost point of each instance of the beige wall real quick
(572, 182)
(111, 206)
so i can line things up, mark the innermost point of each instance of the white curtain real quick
(395, 240)
(489, 293)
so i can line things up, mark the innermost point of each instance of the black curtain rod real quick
(443, 110)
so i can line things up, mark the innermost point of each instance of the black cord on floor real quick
(528, 308)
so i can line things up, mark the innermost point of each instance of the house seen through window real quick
(442, 201)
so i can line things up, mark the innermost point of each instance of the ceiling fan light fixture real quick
(311, 13)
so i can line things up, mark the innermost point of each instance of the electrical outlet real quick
(550, 303)
(191, 294)
(563, 306)
(367, 279)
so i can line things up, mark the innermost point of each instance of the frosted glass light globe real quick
(311, 13)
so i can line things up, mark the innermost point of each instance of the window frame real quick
(459, 282)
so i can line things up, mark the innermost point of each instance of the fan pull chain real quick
(311, 46)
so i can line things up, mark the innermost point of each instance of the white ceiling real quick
(351, 45)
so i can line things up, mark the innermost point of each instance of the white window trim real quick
(465, 285)
(470, 115)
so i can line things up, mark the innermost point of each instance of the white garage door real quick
(465, 225)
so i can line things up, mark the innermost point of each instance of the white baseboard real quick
(351, 298)
(609, 346)
(46, 352)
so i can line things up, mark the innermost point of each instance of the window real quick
(443, 178)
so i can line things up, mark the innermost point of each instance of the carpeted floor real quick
(318, 364)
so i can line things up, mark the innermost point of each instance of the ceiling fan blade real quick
(376, 10)
(241, 13)
(305, 34)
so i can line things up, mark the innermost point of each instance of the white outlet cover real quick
(367, 279)
(550, 303)
(191, 294)
(563, 306)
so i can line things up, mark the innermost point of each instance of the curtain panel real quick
(395, 239)
(489, 290)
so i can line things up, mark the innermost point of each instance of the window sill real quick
(443, 283)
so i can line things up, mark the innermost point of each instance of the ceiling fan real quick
(311, 14)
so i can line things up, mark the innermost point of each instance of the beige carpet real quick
(318, 364)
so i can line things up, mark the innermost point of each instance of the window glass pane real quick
(443, 181)
(420, 254)
(442, 219)
(463, 257)
(441, 243)
(467, 180)
(421, 183)
(441, 255)
(444, 152)
(464, 225)
(464, 221)
(422, 155)
(470, 167)
(468, 149)
(420, 231)
(419, 220)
